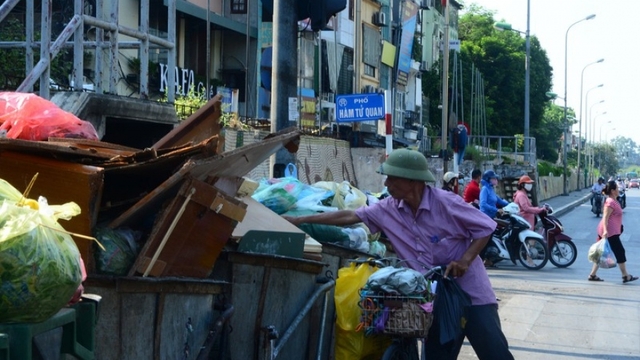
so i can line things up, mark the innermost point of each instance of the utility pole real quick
(284, 70)
(445, 87)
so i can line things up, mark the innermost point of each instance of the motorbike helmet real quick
(525, 179)
(407, 164)
(489, 174)
(448, 176)
(600, 179)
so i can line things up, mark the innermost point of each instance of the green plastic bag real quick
(39, 261)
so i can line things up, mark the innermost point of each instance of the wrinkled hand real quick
(456, 268)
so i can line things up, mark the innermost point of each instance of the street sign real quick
(359, 107)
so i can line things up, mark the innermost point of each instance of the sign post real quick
(359, 107)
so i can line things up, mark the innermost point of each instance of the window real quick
(351, 10)
(238, 6)
(369, 70)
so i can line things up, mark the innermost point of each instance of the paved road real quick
(556, 314)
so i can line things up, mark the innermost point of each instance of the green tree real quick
(500, 57)
(605, 159)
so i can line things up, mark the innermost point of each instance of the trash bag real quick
(395, 280)
(40, 267)
(346, 196)
(352, 344)
(449, 309)
(30, 117)
(601, 254)
(120, 250)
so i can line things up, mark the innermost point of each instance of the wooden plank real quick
(60, 182)
(236, 163)
(198, 233)
(202, 124)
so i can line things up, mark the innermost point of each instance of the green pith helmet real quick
(407, 164)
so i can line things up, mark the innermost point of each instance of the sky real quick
(612, 35)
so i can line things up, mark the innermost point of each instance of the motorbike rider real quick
(620, 183)
(520, 197)
(597, 188)
(490, 202)
(450, 182)
(471, 193)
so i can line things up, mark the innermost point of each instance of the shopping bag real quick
(449, 309)
(601, 254)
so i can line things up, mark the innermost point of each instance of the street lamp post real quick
(580, 119)
(527, 76)
(593, 137)
(564, 145)
(601, 125)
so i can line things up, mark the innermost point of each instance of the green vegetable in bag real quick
(39, 262)
(119, 252)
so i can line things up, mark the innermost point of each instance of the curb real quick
(565, 209)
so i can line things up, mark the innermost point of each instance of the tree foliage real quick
(500, 57)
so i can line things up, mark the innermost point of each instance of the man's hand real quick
(456, 268)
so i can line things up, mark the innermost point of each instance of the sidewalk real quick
(562, 204)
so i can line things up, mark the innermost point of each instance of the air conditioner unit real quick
(424, 66)
(368, 89)
(328, 112)
(379, 19)
(426, 4)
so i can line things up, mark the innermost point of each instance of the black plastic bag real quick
(449, 309)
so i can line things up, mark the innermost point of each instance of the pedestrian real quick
(471, 193)
(610, 228)
(520, 198)
(490, 202)
(450, 182)
(429, 226)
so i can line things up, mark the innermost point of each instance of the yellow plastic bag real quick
(351, 344)
(39, 261)
(347, 294)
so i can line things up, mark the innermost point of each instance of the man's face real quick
(398, 187)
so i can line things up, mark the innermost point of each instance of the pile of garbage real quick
(290, 197)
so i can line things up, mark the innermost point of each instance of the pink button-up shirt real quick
(439, 233)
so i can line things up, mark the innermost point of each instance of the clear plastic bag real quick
(601, 254)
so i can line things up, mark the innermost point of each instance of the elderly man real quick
(434, 227)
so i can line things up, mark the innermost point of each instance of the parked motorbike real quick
(596, 207)
(513, 239)
(562, 251)
(622, 198)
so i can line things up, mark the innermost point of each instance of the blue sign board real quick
(359, 107)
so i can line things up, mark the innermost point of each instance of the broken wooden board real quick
(60, 182)
(236, 163)
(202, 124)
(190, 233)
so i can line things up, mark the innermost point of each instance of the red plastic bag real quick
(30, 117)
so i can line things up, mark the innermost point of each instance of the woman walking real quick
(610, 227)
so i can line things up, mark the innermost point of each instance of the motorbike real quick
(622, 198)
(562, 251)
(513, 239)
(596, 207)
